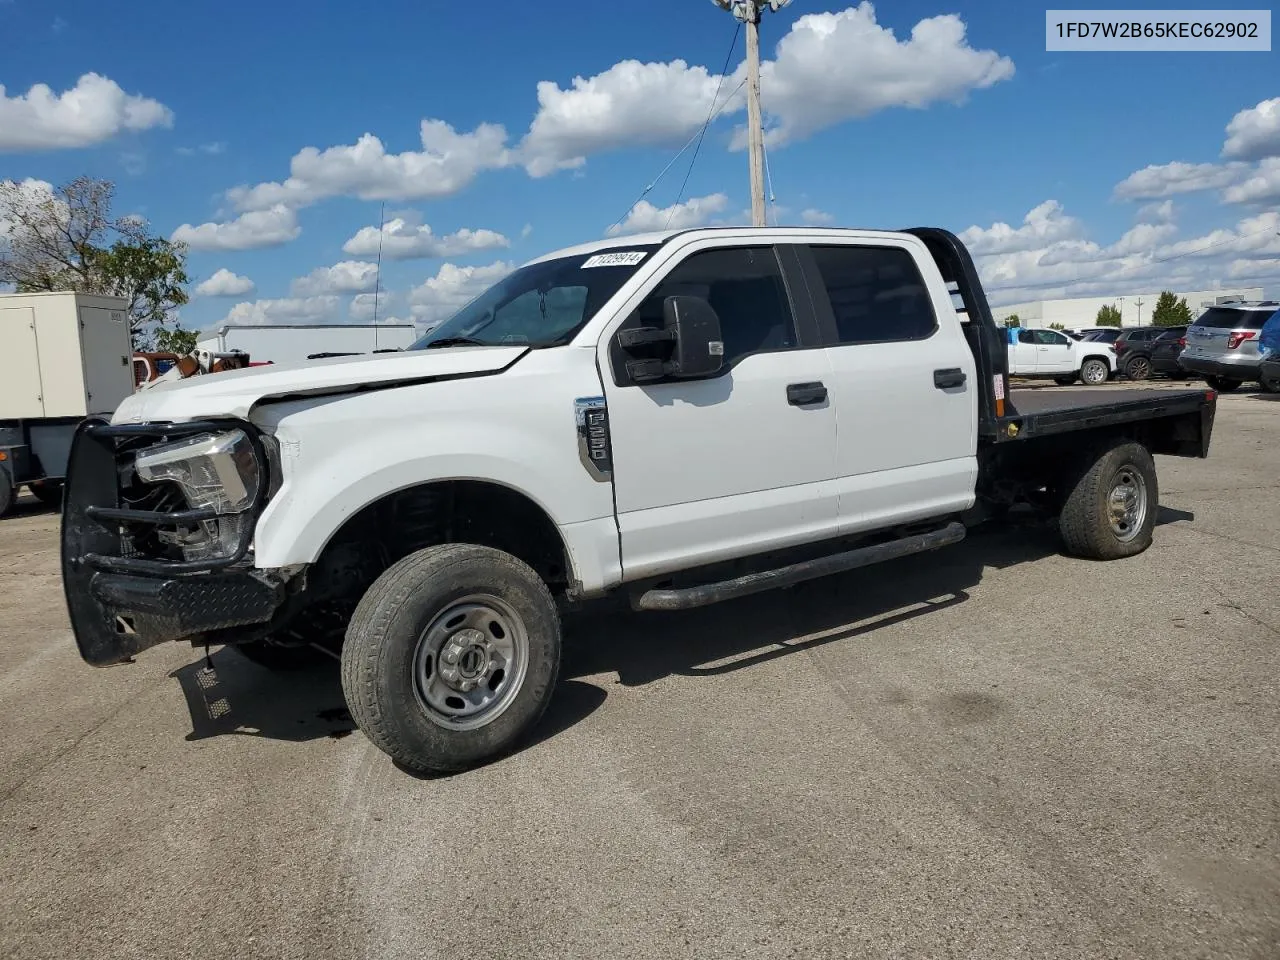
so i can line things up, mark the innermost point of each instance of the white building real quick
(1135, 309)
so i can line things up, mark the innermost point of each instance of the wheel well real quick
(1096, 356)
(448, 511)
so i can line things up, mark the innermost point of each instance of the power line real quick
(710, 113)
(672, 162)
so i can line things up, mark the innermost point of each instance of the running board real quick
(798, 572)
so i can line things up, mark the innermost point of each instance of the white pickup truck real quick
(1036, 353)
(681, 417)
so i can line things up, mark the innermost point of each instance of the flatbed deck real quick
(1046, 411)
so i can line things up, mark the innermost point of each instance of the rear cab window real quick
(876, 294)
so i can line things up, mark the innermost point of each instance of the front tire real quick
(452, 657)
(1110, 510)
(1094, 372)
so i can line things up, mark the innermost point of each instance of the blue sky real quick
(194, 101)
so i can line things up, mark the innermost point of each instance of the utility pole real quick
(748, 11)
(1139, 302)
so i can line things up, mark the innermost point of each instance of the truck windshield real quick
(542, 304)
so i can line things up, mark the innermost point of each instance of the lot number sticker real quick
(624, 258)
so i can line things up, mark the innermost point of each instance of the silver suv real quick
(1222, 344)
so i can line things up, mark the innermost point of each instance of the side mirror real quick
(693, 328)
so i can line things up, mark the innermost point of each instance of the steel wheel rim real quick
(1094, 372)
(1127, 504)
(470, 662)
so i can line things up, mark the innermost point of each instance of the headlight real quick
(218, 471)
(214, 471)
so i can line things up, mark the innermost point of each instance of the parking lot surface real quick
(991, 751)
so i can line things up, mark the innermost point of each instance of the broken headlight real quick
(214, 471)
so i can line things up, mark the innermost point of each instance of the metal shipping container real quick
(63, 355)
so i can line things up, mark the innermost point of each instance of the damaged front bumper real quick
(125, 590)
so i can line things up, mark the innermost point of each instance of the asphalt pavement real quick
(990, 751)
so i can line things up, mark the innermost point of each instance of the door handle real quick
(951, 377)
(806, 394)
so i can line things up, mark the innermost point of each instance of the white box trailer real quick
(63, 356)
(288, 343)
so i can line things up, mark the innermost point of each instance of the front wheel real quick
(1110, 510)
(451, 657)
(1222, 384)
(1094, 372)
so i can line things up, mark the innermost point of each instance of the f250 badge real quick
(592, 421)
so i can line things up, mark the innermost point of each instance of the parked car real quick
(1133, 349)
(1222, 344)
(1269, 350)
(1048, 353)
(1166, 350)
(1103, 335)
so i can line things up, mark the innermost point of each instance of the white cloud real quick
(349, 276)
(829, 68)
(209, 149)
(453, 287)
(1145, 257)
(833, 67)
(224, 283)
(525, 231)
(816, 217)
(249, 231)
(405, 239)
(447, 163)
(1161, 212)
(1168, 179)
(694, 212)
(629, 105)
(1262, 187)
(1254, 133)
(1043, 225)
(94, 110)
(321, 309)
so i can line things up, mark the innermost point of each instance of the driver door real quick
(738, 462)
(1053, 352)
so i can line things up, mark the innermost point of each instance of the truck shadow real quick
(228, 695)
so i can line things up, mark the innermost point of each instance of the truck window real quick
(1027, 336)
(1048, 338)
(876, 294)
(744, 287)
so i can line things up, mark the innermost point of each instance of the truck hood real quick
(234, 393)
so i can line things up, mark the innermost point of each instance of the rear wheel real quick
(7, 492)
(1094, 371)
(1110, 510)
(1138, 368)
(1270, 384)
(451, 657)
(1222, 384)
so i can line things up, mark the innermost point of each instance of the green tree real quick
(175, 340)
(1013, 320)
(1057, 326)
(1108, 316)
(1171, 311)
(66, 239)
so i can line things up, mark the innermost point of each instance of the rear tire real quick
(7, 492)
(452, 657)
(1095, 372)
(1222, 384)
(1269, 384)
(1138, 368)
(1110, 510)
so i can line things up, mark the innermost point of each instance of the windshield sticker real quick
(623, 258)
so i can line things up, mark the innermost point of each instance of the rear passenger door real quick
(903, 385)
